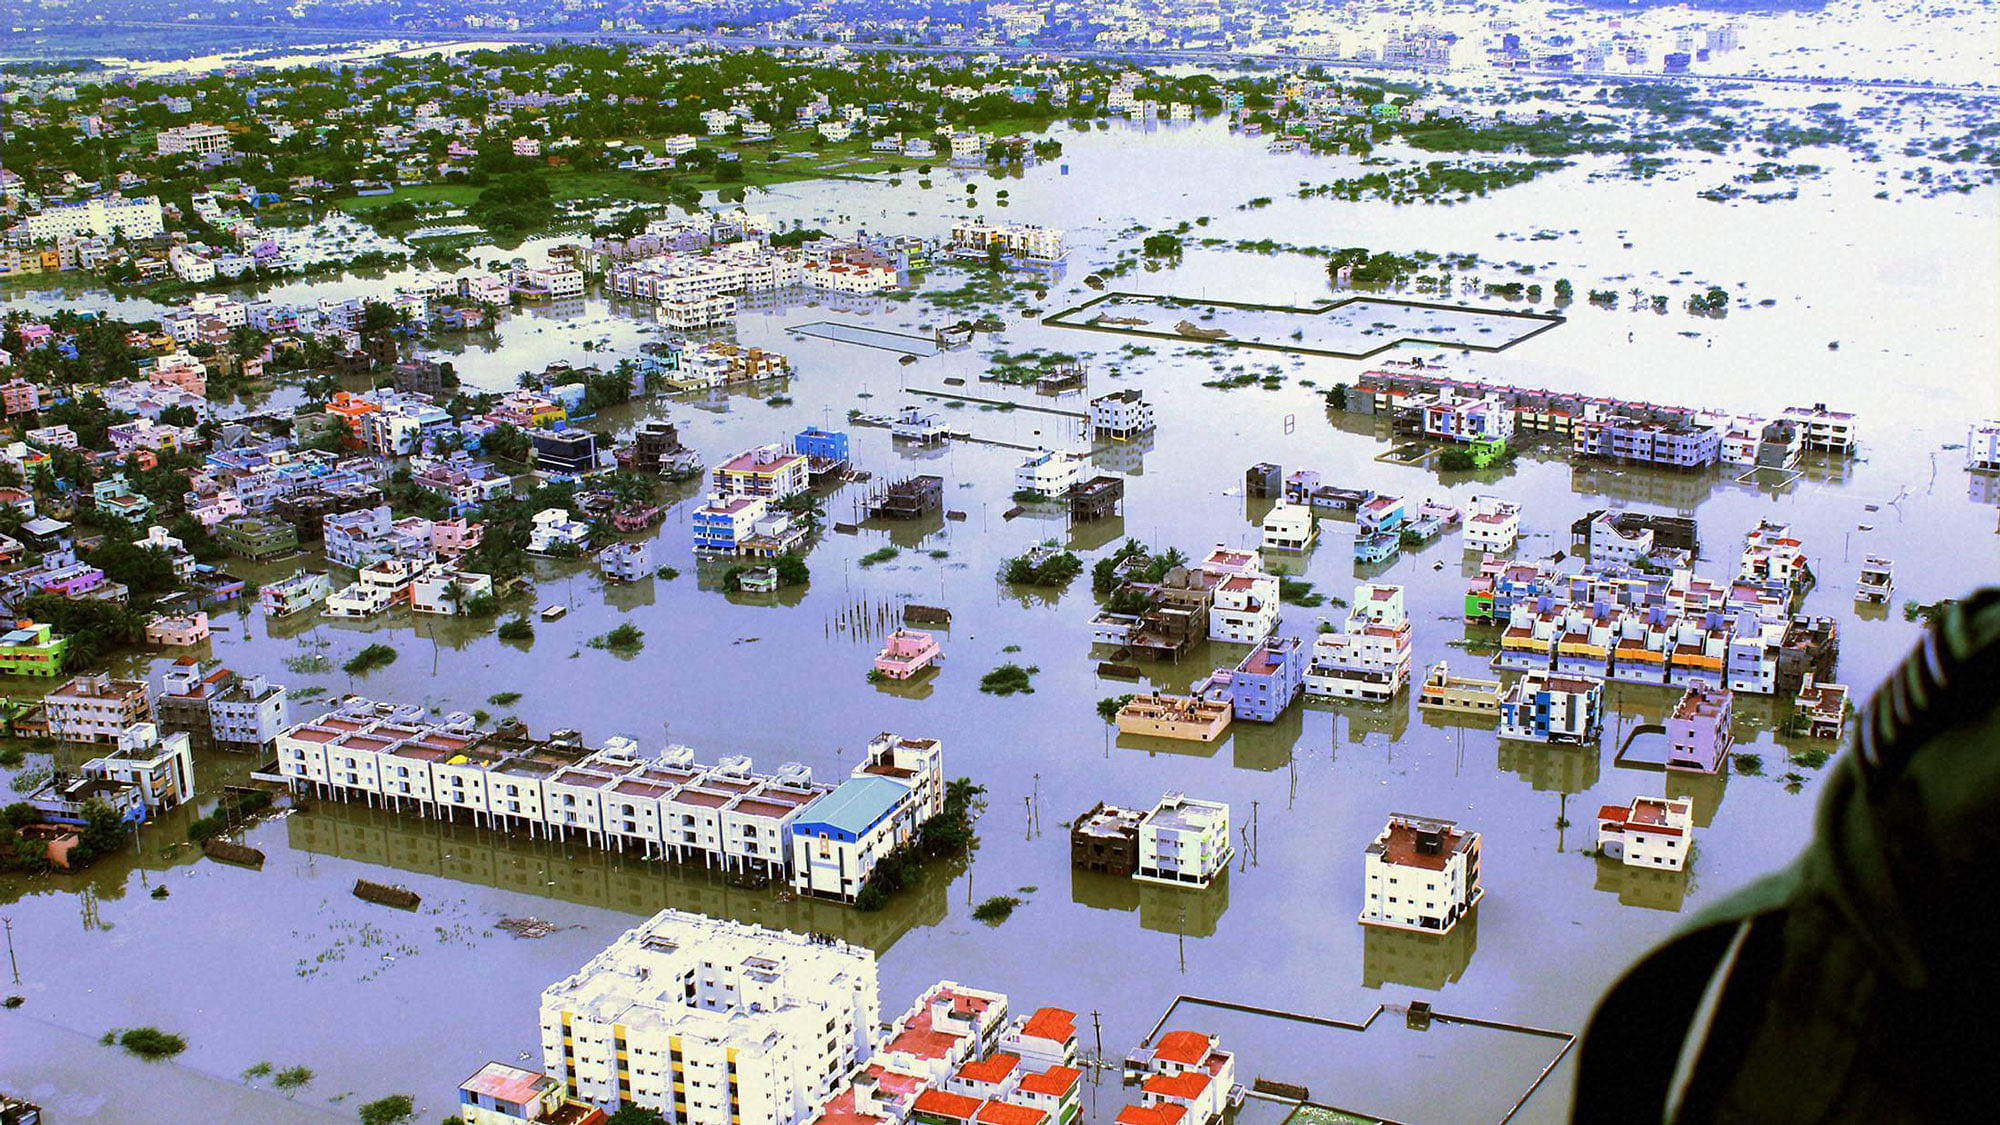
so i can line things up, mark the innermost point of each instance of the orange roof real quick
(1165, 1114)
(1050, 1023)
(1006, 1113)
(1187, 1084)
(944, 1103)
(1056, 1081)
(993, 1068)
(1185, 1047)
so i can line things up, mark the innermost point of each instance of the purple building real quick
(1268, 680)
(1698, 737)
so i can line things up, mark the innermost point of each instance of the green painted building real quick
(32, 649)
(254, 537)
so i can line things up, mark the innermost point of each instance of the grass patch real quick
(1009, 679)
(625, 639)
(1748, 764)
(996, 910)
(370, 658)
(256, 1070)
(519, 629)
(293, 1077)
(150, 1043)
(879, 555)
(392, 1110)
(504, 698)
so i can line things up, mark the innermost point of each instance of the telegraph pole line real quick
(16, 966)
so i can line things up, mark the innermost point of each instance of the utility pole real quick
(1253, 832)
(16, 965)
(1096, 1024)
(1182, 935)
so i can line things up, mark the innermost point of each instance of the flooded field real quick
(1350, 328)
(284, 965)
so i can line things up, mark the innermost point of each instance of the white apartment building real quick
(1982, 446)
(1290, 527)
(445, 589)
(1120, 415)
(1492, 524)
(1823, 430)
(96, 708)
(378, 587)
(1184, 842)
(160, 768)
(1049, 473)
(133, 218)
(1651, 832)
(200, 140)
(1420, 874)
(741, 267)
(1029, 243)
(1545, 706)
(1245, 609)
(712, 1022)
(664, 806)
(1369, 659)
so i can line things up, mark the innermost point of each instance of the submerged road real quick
(1168, 56)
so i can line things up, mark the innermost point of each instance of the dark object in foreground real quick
(402, 898)
(1857, 984)
(229, 851)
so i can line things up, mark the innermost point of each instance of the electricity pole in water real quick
(16, 966)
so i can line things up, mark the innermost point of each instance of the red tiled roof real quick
(1185, 1047)
(1188, 1084)
(1050, 1023)
(1166, 1114)
(944, 1103)
(993, 1068)
(1056, 1081)
(1006, 1113)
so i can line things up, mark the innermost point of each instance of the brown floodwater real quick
(284, 965)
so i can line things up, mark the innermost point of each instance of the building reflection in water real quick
(1162, 909)
(588, 877)
(1646, 887)
(1417, 959)
(1089, 535)
(1704, 789)
(1126, 458)
(1552, 769)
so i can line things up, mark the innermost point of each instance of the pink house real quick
(456, 536)
(908, 653)
(178, 631)
(180, 370)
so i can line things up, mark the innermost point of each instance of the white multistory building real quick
(1420, 874)
(1492, 524)
(1369, 658)
(713, 1022)
(1982, 446)
(1120, 415)
(133, 218)
(1651, 832)
(199, 140)
(1049, 473)
(1245, 605)
(1022, 242)
(1184, 842)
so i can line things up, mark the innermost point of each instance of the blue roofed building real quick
(837, 840)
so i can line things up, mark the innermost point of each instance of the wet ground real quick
(284, 965)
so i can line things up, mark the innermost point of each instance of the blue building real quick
(825, 450)
(1268, 680)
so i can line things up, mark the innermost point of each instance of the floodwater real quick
(282, 965)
